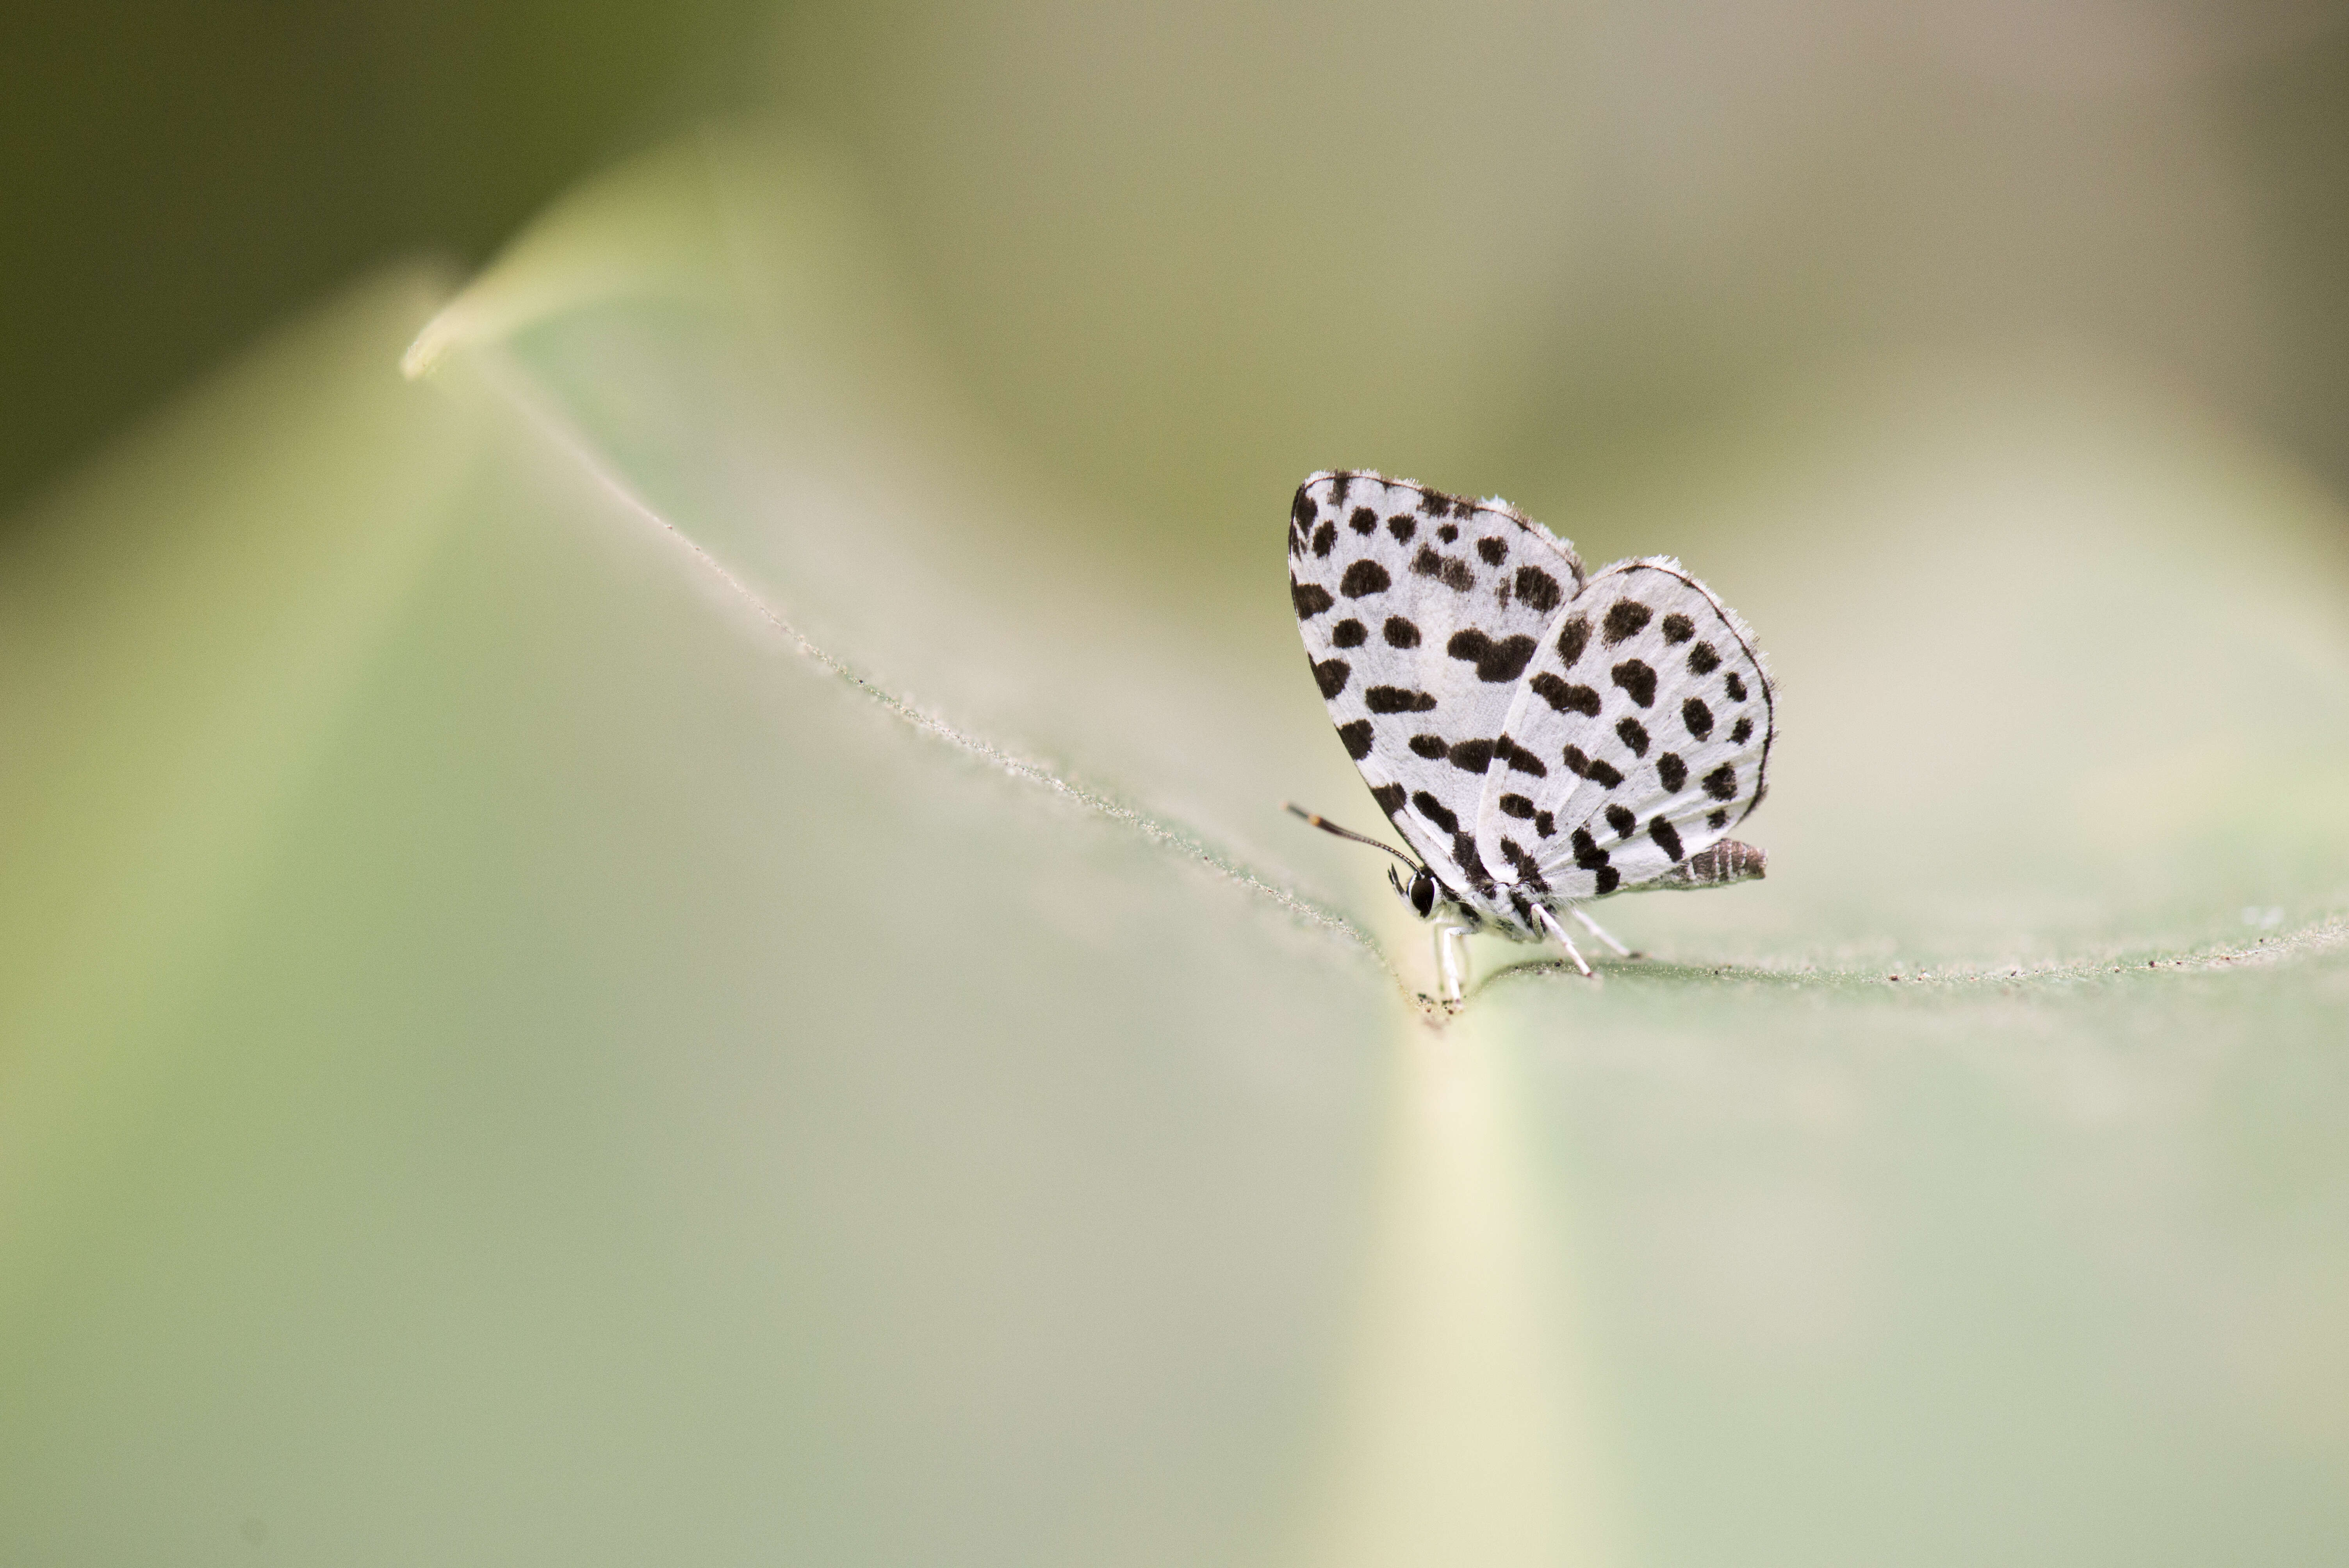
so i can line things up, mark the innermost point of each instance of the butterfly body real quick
(1541, 736)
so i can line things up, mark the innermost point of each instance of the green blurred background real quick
(178, 177)
(1690, 201)
(668, 937)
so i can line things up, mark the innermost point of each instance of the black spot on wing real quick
(1624, 619)
(1449, 533)
(1576, 762)
(1300, 509)
(1400, 633)
(1697, 717)
(1402, 526)
(1716, 820)
(1634, 677)
(1608, 879)
(1673, 771)
(1633, 734)
(1473, 756)
(1587, 852)
(1397, 699)
(1364, 521)
(1544, 824)
(1519, 758)
(1357, 736)
(1667, 836)
(1742, 733)
(1463, 850)
(1603, 774)
(1310, 599)
(1564, 697)
(1364, 577)
(1538, 590)
(1435, 811)
(1431, 747)
(1390, 799)
(1323, 538)
(1572, 638)
(1503, 661)
(1448, 570)
(1737, 684)
(1528, 872)
(1622, 822)
(1493, 551)
(1722, 783)
(1331, 676)
(1517, 806)
(1702, 660)
(1339, 483)
(1677, 629)
(1348, 633)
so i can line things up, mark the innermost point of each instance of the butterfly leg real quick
(1549, 922)
(1599, 932)
(1451, 961)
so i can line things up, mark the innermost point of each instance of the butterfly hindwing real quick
(1421, 613)
(1649, 704)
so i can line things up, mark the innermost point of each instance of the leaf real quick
(638, 949)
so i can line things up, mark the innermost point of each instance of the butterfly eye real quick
(1423, 892)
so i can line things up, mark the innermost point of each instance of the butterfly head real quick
(1420, 892)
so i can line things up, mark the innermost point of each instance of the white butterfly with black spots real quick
(1541, 738)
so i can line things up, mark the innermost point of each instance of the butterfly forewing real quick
(1423, 614)
(1649, 704)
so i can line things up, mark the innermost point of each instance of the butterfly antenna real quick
(1328, 826)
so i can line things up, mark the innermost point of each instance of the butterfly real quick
(1540, 736)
